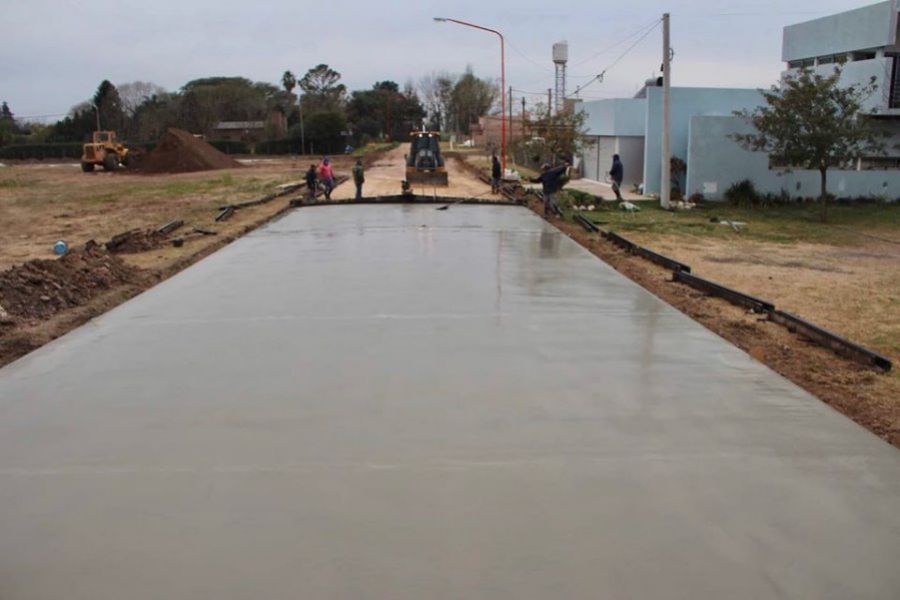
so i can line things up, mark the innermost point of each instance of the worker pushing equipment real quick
(551, 180)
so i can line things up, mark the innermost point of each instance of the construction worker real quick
(617, 174)
(496, 174)
(359, 177)
(550, 184)
(326, 176)
(311, 181)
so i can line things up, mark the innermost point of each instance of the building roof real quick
(241, 125)
(865, 28)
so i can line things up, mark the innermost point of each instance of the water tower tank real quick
(561, 52)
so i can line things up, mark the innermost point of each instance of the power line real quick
(528, 58)
(621, 56)
(639, 31)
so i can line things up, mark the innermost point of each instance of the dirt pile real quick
(180, 152)
(136, 240)
(41, 288)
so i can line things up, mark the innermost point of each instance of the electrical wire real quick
(528, 58)
(615, 62)
(643, 29)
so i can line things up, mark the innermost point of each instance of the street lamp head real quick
(440, 19)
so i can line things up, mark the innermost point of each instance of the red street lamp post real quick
(502, 81)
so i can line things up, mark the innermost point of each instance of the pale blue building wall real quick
(864, 28)
(715, 162)
(864, 39)
(685, 103)
(616, 117)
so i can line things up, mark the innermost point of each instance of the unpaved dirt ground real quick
(383, 178)
(851, 290)
(44, 202)
(40, 204)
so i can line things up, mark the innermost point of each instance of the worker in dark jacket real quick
(359, 178)
(550, 184)
(617, 174)
(496, 174)
(311, 179)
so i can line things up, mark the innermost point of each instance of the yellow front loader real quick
(104, 151)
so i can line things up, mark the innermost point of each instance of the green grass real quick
(781, 224)
(374, 147)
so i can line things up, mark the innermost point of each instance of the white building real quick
(865, 40)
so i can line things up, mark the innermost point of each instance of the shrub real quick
(41, 151)
(697, 198)
(283, 146)
(374, 147)
(743, 194)
(230, 146)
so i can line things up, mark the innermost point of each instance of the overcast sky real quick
(56, 52)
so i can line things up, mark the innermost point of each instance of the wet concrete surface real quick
(398, 402)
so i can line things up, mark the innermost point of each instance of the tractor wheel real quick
(87, 167)
(128, 160)
(110, 161)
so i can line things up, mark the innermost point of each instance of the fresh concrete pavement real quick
(398, 402)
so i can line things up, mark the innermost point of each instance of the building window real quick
(857, 56)
(880, 163)
(802, 64)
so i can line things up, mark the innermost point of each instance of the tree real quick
(7, 125)
(471, 98)
(109, 104)
(811, 121)
(384, 111)
(553, 136)
(323, 131)
(288, 82)
(436, 91)
(155, 115)
(205, 102)
(77, 126)
(134, 94)
(322, 90)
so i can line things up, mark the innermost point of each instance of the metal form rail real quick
(716, 289)
(830, 340)
(682, 274)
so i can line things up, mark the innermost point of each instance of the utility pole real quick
(665, 177)
(302, 135)
(509, 128)
(523, 117)
(549, 104)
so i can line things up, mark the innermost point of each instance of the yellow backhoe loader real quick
(104, 151)
(424, 163)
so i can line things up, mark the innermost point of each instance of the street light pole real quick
(502, 80)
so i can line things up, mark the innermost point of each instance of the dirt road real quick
(384, 177)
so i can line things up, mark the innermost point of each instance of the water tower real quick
(560, 58)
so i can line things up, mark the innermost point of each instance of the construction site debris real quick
(170, 227)
(181, 152)
(225, 213)
(42, 288)
(136, 240)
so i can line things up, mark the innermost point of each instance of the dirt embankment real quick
(38, 289)
(181, 152)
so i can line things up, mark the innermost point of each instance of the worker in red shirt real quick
(326, 176)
